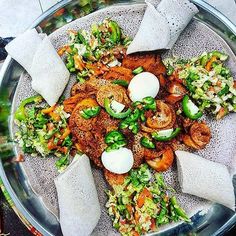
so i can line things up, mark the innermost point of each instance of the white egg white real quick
(118, 161)
(143, 85)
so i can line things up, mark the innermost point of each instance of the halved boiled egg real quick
(143, 85)
(118, 161)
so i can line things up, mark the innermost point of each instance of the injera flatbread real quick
(37, 55)
(206, 179)
(77, 197)
(195, 39)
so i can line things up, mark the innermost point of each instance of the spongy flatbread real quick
(39, 58)
(161, 26)
(206, 179)
(27, 43)
(41, 172)
(48, 72)
(153, 33)
(77, 196)
(178, 14)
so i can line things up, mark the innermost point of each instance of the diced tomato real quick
(142, 196)
(153, 225)
(63, 149)
(51, 144)
(122, 221)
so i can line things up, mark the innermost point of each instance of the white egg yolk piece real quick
(143, 85)
(118, 161)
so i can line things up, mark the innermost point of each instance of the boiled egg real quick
(118, 161)
(143, 85)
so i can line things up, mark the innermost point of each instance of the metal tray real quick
(217, 222)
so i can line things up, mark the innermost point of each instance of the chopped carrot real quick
(65, 134)
(55, 116)
(129, 208)
(210, 62)
(222, 112)
(48, 110)
(135, 233)
(63, 49)
(79, 64)
(136, 217)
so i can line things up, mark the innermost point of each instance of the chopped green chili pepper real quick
(116, 145)
(220, 55)
(159, 136)
(223, 91)
(131, 122)
(170, 70)
(90, 112)
(115, 32)
(50, 133)
(178, 210)
(133, 126)
(137, 103)
(120, 115)
(124, 124)
(115, 140)
(20, 112)
(146, 142)
(133, 116)
(149, 103)
(203, 60)
(81, 39)
(142, 116)
(121, 82)
(113, 137)
(62, 162)
(138, 70)
(70, 65)
(190, 109)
